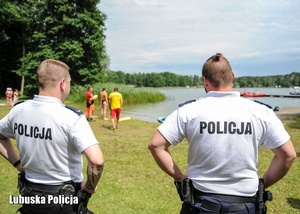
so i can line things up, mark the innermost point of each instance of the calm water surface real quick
(150, 112)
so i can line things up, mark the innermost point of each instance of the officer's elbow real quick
(150, 146)
(98, 162)
(286, 153)
(94, 156)
(291, 158)
(153, 147)
(290, 154)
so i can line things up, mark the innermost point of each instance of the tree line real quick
(284, 81)
(168, 79)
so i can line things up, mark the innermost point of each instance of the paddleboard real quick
(124, 118)
(161, 119)
(94, 97)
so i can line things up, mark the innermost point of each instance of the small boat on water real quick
(253, 94)
(295, 90)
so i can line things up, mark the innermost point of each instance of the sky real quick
(258, 37)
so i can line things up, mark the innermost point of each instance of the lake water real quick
(175, 96)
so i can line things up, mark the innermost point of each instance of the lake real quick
(149, 112)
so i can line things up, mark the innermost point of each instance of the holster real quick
(185, 190)
(262, 196)
(83, 197)
(21, 182)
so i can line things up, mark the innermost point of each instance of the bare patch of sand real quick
(291, 112)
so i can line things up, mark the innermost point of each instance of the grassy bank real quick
(133, 184)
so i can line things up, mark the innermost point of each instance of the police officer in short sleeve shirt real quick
(224, 132)
(51, 138)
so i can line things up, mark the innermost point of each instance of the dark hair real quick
(217, 71)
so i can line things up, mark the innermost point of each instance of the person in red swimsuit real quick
(89, 103)
(9, 95)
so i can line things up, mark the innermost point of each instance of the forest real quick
(73, 31)
(34, 30)
(168, 79)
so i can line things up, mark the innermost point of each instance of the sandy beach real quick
(290, 112)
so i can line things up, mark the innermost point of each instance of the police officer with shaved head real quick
(51, 138)
(224, 132)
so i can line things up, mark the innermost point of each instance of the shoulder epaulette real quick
(75, 110)
(19, 102)
(186, 102)
(262, 103)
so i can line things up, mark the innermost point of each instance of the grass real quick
(132, 183)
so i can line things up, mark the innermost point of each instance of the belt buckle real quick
(67, 190)
(69, 187)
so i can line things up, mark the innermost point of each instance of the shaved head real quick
(50, 72)
(217, 71)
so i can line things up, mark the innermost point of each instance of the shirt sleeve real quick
(6, 126)
(276, 133)
(173, 128)
(82, 135)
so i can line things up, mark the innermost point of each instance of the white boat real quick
(295, 90)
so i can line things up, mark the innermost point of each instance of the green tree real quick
(197, 81)
(139, 79)
(68, 30)
(112, 77)
(121, 77)
(183, 81)
(10, 43)
(130, 79)
(159, 80)
(170, 79)
(294, 79)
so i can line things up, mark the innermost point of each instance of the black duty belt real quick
(237, 200)
(66, 188)
(227, 198)
(43, 187)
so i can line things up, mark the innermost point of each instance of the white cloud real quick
(149, 35)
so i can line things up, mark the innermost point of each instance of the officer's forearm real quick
(164, 160)
(277, 170)
(158, 146)
(93, 176)
(280, 164)
(7, 151)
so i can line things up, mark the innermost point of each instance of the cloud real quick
(150, 35)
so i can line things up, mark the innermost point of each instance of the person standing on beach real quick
(89, 103)
(9, 96)
(115, 105)
(104, 103)
(51, 139)
(16, 96)
(224, 133)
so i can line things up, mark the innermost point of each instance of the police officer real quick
(51, 138)
(224, 132)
